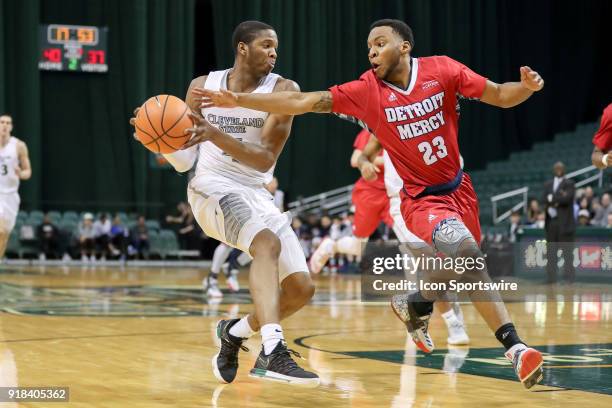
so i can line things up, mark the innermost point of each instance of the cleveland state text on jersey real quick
(232, 124)
(414, 111)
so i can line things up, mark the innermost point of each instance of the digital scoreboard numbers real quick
(73, 48)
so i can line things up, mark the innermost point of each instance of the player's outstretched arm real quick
(284, 103)
(510, 94)
(262, 157)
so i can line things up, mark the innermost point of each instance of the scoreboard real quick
(73, 48)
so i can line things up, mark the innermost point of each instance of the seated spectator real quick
(118, 238)
(515, 223)
(609, 221)
(540, 220)
(533, 211)
(302, 233)
(140, 238)
(584, 217)
(102, 228)
(589, 194)
(175, 222)
(325, 225)
(601, 214)
(188, 234)
(585, 204)
(48, 234)
(86, 238)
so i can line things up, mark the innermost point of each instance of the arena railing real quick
(523, 192)
(331, 202)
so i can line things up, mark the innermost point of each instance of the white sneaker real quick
(320, 257)
(232, 282)
(211, 287)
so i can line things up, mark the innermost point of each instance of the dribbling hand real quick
(201, 132)
(220, 99)
(531, 80)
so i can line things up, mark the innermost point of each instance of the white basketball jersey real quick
(243, 124)
(393, 182)
(9, 161)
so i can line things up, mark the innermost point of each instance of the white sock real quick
(349, 246)
(512, 350)
(242, 328)
(449, 318)
(271, 334)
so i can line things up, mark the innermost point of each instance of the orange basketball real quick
(161, 122)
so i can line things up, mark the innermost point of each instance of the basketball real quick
(161, 122)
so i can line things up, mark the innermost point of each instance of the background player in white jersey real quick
(14, 166)
(238, 149)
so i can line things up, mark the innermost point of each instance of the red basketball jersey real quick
(360, 143)
(417, 126)
(603, 137)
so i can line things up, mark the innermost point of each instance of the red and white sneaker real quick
(415, 324)
(527, 363)
(320, 257)
(232, 282)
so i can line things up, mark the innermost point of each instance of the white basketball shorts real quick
(234, 214)
(9, 207)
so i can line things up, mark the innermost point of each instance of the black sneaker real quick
(279, 366)
(225, 362)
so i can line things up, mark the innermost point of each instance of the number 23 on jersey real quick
(429, 155)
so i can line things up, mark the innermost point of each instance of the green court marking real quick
(113, 301)
(585, 367)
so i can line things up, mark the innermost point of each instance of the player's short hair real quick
(401, 28)
(247, 31)
(6, 114)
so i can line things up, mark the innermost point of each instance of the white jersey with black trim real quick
(243, 124)
(9, 162)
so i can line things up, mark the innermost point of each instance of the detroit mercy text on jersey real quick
(241, 123)
(9, 161)
(417, 126)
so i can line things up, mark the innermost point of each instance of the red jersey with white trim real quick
(603, 137)
(417, 126)
(360, 143)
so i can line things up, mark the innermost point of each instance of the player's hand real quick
(133, 122)
(18, 172)
(220, 99)
(531, 80)
(201, 132)
(369, 171)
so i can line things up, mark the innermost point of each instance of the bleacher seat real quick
(533, 167)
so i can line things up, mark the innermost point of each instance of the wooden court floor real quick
(145, 337)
